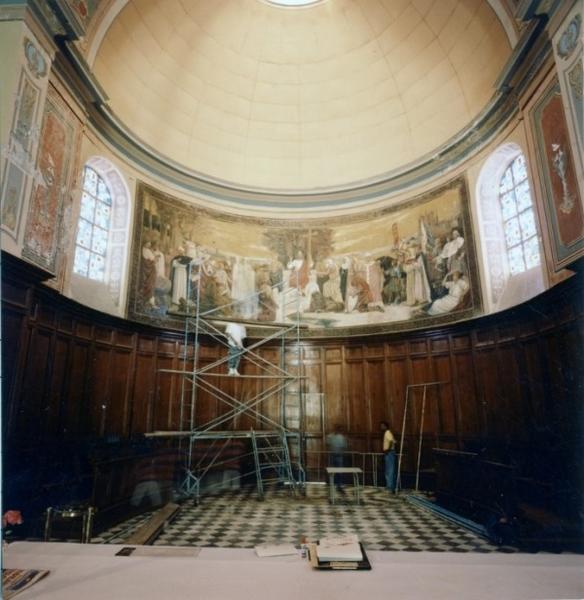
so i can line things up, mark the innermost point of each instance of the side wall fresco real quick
(49, 215)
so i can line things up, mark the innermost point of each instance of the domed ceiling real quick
(321, 96)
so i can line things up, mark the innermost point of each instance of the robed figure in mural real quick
(179, 276)
(148, 275)
(418, 289)
(457, 287)
(299, 274)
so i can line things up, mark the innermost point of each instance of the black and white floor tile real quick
(237, 519)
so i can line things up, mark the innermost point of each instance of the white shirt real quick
(388, 441)
(235, 333)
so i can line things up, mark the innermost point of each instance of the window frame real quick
(94, 225)
(518, 211)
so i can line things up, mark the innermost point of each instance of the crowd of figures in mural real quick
(420, 272)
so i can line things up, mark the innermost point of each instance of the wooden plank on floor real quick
(148, 532)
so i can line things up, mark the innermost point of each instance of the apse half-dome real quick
(329, 95)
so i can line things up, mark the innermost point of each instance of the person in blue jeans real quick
(389, 457)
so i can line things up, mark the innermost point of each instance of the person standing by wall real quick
(389, 457)
(337, 445)
(235, 334)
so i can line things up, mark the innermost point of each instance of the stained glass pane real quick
(516, 263)
(523, 196)
(99, 241)
(90, 181)
(84, 233)
(531, 252)
(96, 267)
(103, 193)
(512, 232)
(508, 206)
(506, 182)
(81, 263)
(527, 222)
(87, 206)
(102, 215)
(519, 170)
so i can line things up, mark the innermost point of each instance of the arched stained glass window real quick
(93, 228)
(519, 223)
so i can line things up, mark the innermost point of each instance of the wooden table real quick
(354, 471)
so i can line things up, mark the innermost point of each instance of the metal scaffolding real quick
(207, 443)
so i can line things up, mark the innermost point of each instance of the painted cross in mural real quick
(400, 266)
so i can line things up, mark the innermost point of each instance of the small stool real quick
(354, 471)
(63, 513)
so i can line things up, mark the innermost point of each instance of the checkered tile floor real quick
(236, 519)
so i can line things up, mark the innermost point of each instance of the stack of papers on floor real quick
(339, 548)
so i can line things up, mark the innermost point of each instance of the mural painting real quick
(563, 202)
(405, 266)
(83, 11)
(19, 155)
(50, 193)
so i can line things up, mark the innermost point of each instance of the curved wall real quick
(73, 373)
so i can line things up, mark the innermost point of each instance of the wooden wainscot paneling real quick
(377, 392)
(468, 401)
(45, 315)
(143, 393)
(398, 380)
(333, 355)
(527, 328)
(534, 369)
(312, 353)
(57, 386)
(313, 412)
(103, 335)
(84, 330)
(490, 390)
(65, 323)
(205, 351)
(439, 345)
(100, 377)
(336, 408)
(354, 353)
(15, 338)
(375, 350)
(397, 349)
(167, 347)
(508, 333)
(76, 417)
(86, 375)
(446, 405)
(356, 397)
(461, 342)
(509, 380)
(35, 378)
(485, 337)
(124, 339)
(146, 344)
(418, 347)
(118, 407)
(14, 294)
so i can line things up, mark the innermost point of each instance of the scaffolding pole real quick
(425, 387)
(199, 378)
